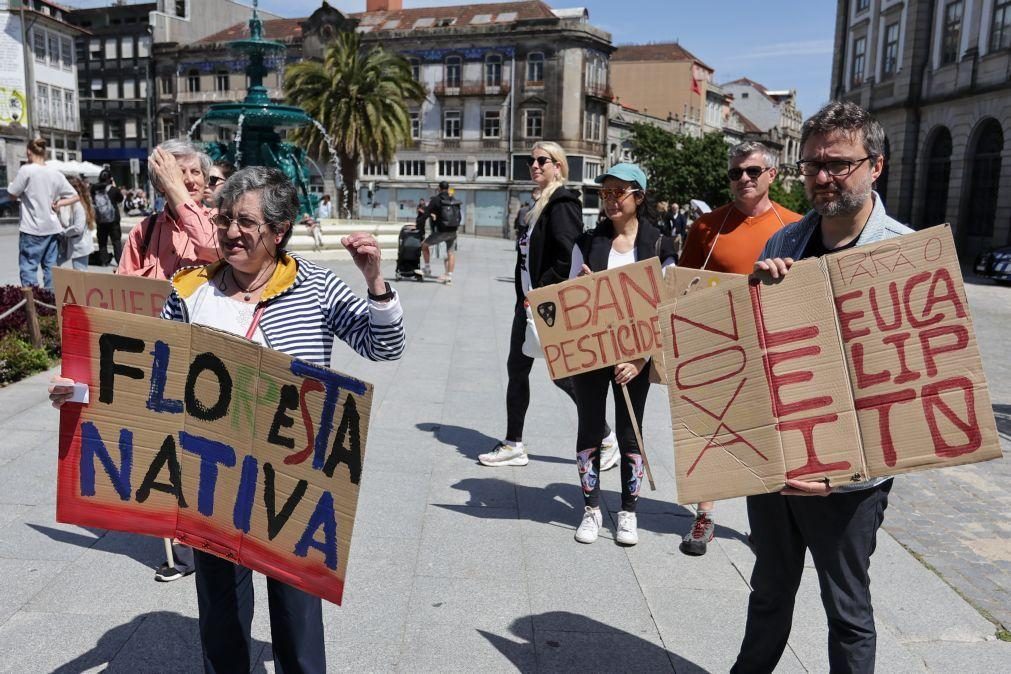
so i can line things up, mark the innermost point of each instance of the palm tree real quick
(360, 96)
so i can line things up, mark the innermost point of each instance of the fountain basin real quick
(254, 114)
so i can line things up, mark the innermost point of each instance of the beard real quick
(847, 201)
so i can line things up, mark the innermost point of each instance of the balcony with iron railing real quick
(471, 88)
(601, 91)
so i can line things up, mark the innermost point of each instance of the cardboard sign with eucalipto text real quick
(857, 365)
(233, 449)
(131, 294)
(599, 320)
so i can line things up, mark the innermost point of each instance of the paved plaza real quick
(458, 568)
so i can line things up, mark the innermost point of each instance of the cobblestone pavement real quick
(958, 520)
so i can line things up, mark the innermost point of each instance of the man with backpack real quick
(106, 198)
(446, 212)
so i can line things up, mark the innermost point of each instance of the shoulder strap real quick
(152, 222)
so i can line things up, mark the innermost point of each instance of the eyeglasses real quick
(214, 180)
(616, 194)
(222, 221)
(540, 161)
(753, 172)
(835, 167)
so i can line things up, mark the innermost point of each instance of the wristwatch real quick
(386, 296)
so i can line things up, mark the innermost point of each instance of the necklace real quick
(247, 292)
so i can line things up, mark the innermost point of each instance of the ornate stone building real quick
(937, 74)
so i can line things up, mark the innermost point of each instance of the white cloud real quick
(781, 49)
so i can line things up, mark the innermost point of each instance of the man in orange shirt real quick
(730, 239)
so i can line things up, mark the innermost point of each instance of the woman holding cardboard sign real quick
(296, 307)
(626, 236)
(545, 250)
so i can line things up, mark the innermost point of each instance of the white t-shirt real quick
(524, 245)
(211, 307)
(38, 186)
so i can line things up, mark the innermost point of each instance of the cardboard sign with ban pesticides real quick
(602, 319)
(132, 294)
(860, 364)
(233, 449)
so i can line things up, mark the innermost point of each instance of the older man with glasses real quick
(729, 239)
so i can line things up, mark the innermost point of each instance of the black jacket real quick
(554, 234)
(596, 245)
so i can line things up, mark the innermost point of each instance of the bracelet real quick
(386, 296)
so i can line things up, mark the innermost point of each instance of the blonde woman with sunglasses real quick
(545, 255)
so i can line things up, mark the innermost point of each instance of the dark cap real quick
(443, 185)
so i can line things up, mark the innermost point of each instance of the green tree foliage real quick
(791, 196)
(361, 98)
(681, 167)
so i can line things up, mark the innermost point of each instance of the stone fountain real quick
(257, 121)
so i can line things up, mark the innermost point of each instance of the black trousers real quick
(841, 532)
(591, 406)
(225, 599)
(106, 231)
(518, 368)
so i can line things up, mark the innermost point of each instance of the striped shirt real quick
(305, 307)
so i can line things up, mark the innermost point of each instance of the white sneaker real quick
(609, 453)
(627, 534)
(590, 526)
(504, 455)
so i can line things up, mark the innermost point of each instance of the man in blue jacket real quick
(842, 148)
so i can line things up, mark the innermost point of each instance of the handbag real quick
(531, 342)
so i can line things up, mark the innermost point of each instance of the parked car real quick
(995, 264)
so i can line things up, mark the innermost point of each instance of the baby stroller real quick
(409, 254)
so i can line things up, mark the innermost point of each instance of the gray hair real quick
(180, 148)
(849, 118)
(278, 197)
(751, 147)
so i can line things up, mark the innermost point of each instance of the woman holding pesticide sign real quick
(626, 236)
(296, 307)
(545, 255)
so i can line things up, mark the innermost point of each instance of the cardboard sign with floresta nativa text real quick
(196, 434)
(859, 364)
(599, 320)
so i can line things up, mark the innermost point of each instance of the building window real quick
(891, 61)
(415, 124)
(39, 45)
(70, 109)
(97, 88)
(143, 88)
(224, 134)
(66, 52)
(535, 68)
(54, 49)
(1000, 31)
(112, 89)
(533, 123)
(491, 124)
(221, 81)
(130, 130)
(166, 85)
(862, 5)
(42, 92)
(454, 72)
(129, 88)
(126, 47)
(411, 168)
(415, 69)
(491, 168)
(144, 46)
(493, 71)
(938, 173)
(180, 9)
(984, 179)
(952, 32)
(593, 124)
(193, 81)
(95, 48)
(591, 170)
(115, 129)
(452, 168)
(371, 169)
(98, 130)
(110, 48)
(168, 129)
(451, 124)
(859, 60)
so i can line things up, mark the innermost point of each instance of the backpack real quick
(449, 213)
(105, 211)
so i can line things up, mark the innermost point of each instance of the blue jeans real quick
(34, 250)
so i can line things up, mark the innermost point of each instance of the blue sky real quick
(781, 44)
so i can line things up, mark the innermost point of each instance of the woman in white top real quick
(627, 235)
(78, 220)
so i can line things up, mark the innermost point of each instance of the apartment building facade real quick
(775, 115)
(937, 74)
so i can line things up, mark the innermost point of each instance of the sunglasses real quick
(214, 180)
(222, 221)
(616, 194)
(540, 161)
(753, 172)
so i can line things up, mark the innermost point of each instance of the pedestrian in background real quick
(78, 220)
(325, 209)
(106, 198)
(445, 212)
(42, 190)
(220, 171)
